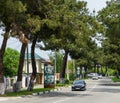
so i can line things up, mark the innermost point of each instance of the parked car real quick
(99, 76)
(95, 77)
(78, 85)
(90, 75)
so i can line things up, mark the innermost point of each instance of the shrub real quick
(116, 79)
(57, 81)
(72, 76)
(66, 81)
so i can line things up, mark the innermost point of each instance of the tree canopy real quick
(110, 18)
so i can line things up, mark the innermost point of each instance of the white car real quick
(90, 75)
(95, 77)
(99, 76)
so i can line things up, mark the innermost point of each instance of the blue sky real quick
(92, 5)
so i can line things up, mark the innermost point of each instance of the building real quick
(27, 69)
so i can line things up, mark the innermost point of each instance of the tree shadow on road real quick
(111, 84)
(65, 94)
(109, 88)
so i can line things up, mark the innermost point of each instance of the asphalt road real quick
(98, 91)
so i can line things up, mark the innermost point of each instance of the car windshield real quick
(78, 82)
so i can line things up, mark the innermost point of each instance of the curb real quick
(46, 92)
(33, 94)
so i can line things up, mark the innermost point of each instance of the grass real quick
(116, 79)
(62, 85)
(25, 92)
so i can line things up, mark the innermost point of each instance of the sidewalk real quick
(10, 89)
(7, 98)
(3, 98)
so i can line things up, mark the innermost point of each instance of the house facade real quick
(27, 69)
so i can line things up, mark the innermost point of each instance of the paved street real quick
(98, 91)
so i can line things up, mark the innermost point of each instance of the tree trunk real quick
(2, 51)
(97, 69)
(118, 72)
(63, 69)
(101, 69)
(34, 68)
(18, 84)
(106, 71)
(94, 68)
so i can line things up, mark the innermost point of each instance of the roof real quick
(36, 57)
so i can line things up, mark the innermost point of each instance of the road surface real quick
(98, 91)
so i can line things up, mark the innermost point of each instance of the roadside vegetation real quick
(116, 79)
(26, 92)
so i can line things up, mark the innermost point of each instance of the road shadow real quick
(108, 87)
(65, 94)
(111, 84)
(107, 90)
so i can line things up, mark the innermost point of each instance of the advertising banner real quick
(49, 78)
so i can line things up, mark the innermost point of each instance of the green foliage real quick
(73, 27)
(11, 61)
(109, 17)
(61, 85)
(70, 65)
(26, 92)
(72, 76)
(10, 11)
(67, 24)
(33, 23)
(56, 57)
(57, 81)
(66, 81)
(110, 71)
(116, 79)
(15, 6)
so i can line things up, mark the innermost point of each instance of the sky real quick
(96, 4)
(15, 44)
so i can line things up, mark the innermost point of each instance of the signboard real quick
(78, 72)
(49, 78)
(83, 70)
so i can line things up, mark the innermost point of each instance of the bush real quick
(57, 81)
(112, 72)
(66, 81)
(116, 79)
(72, 76)
(71, 82)
(60, 85)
